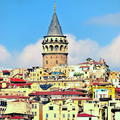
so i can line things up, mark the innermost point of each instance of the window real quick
(35, 113)
(35, 106)
(3, 103)
(64, 108)
(73, 115)
(65, 84)
(56, 48)
(55, 39)
(68, 115)
(51, 47)
(46, 115)
(73, 108)
(63, 115)
(32, 113)
(51, 108)
(46, 62)
(51, 40)
(40, 72)
(54, 115)
(56, 61)
(64, 102)
(32, 105)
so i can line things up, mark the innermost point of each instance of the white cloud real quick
(4, 54)
(79, 50)
(111, 52)
(31, 55)
(109, 19)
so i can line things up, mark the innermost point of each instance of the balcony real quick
(54, 52)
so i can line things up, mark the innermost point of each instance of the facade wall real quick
(18, 107)
(53, 60)
(36, 110)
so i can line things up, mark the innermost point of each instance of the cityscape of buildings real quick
(58, 91)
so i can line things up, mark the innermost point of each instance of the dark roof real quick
(55, 28)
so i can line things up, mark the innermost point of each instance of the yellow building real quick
(23, 107)
(114, 78)
(20, 90)
(69, 110)
(3, 106)
(37, 74)
(18, 72)
(102, 91)
(36, 110)
(52, 111)
(93, 108)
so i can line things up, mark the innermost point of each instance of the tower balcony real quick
(55, 52)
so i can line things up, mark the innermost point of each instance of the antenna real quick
(54, 5)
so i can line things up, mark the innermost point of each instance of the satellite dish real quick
(4, 85)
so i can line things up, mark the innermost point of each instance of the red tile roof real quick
(117, 89)
(4, 82)
(20, 74)
(82, 99)
(21, 84)
(57, 93)
(13, 97)
(17, 80)
(4, 116)
(77, 89)
(84, 115)
(17, 117)
(84, 66)
(6, 71)
(92, 62)
(73, 99)
(96, 83)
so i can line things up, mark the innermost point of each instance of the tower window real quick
(47, 40)
(61, 47)
(51, 47)
(51, 40)
(56, 61)
(65, 41)
(46, 48)
(46, 62)
(56, 47)
(61, 40)
(56, 40)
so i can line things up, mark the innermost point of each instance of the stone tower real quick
(55, 45)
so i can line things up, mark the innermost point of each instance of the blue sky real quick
(23, 22)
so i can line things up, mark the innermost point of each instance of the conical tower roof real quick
(55, 28)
